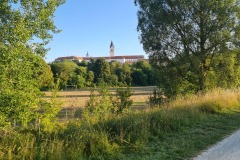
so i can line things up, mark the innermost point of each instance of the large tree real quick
(65, 71)
(186, 35)
(102, 72)
(122, 71)
(26, 26)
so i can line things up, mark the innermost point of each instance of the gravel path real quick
(228, 149)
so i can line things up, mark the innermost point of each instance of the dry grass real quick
(73, 99)
(224, 99)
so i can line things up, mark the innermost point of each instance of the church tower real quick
(112, 49)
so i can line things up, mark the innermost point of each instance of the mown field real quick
(77, 98)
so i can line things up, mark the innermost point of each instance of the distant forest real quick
(73, 74)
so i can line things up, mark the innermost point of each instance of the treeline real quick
(183, 78)
(73, 74)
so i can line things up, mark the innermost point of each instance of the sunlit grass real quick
(177, 130)
(216, 100)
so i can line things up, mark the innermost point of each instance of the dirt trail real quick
(227, 149)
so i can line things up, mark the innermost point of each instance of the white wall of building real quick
(118, 60)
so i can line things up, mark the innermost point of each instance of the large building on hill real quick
(122, 59)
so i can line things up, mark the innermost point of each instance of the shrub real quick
(122, 100)
(157, 99)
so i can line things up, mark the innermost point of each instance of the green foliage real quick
(99, 106)
(90, 78)
(139, 78)
(101, 71)
(71, 74)
(65, 71)
(122, 100)
(143, 74)
(45, 75)
(211, 108)
(80, 81)
(103, 104)
(122, 71)
(225, 72)
(22, 68)
(185, 36)
(96, 72)
(157, 99)
(47, 116)
(3, 121)
(180, 130)
(171, 82)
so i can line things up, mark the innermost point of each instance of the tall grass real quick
(186, 123)
(217, 100)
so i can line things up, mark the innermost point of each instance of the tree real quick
(225, 72)
(126, 74)
(171, 82)
(65, 71)
(80, 81)
(192, 32)
(21, 59)
(83, 63)
(101, 71)
(147, 71)
(143, 65)
(123, 99)
(122, 72)
(100, 105)
(44, 75)
(90, 78)
(81, 76)
(69, 73)
(139, 78)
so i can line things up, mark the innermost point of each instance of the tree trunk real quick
(202, 82)
(202, 56)
(202, 75)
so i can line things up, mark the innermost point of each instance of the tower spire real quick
(112, 49)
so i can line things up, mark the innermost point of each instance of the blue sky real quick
(90, 25)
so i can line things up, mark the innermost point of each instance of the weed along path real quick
(227, 149)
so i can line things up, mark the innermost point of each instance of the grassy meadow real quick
(180, 129)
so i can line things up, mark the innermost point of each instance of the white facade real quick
(122, 59)
(118, 60)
